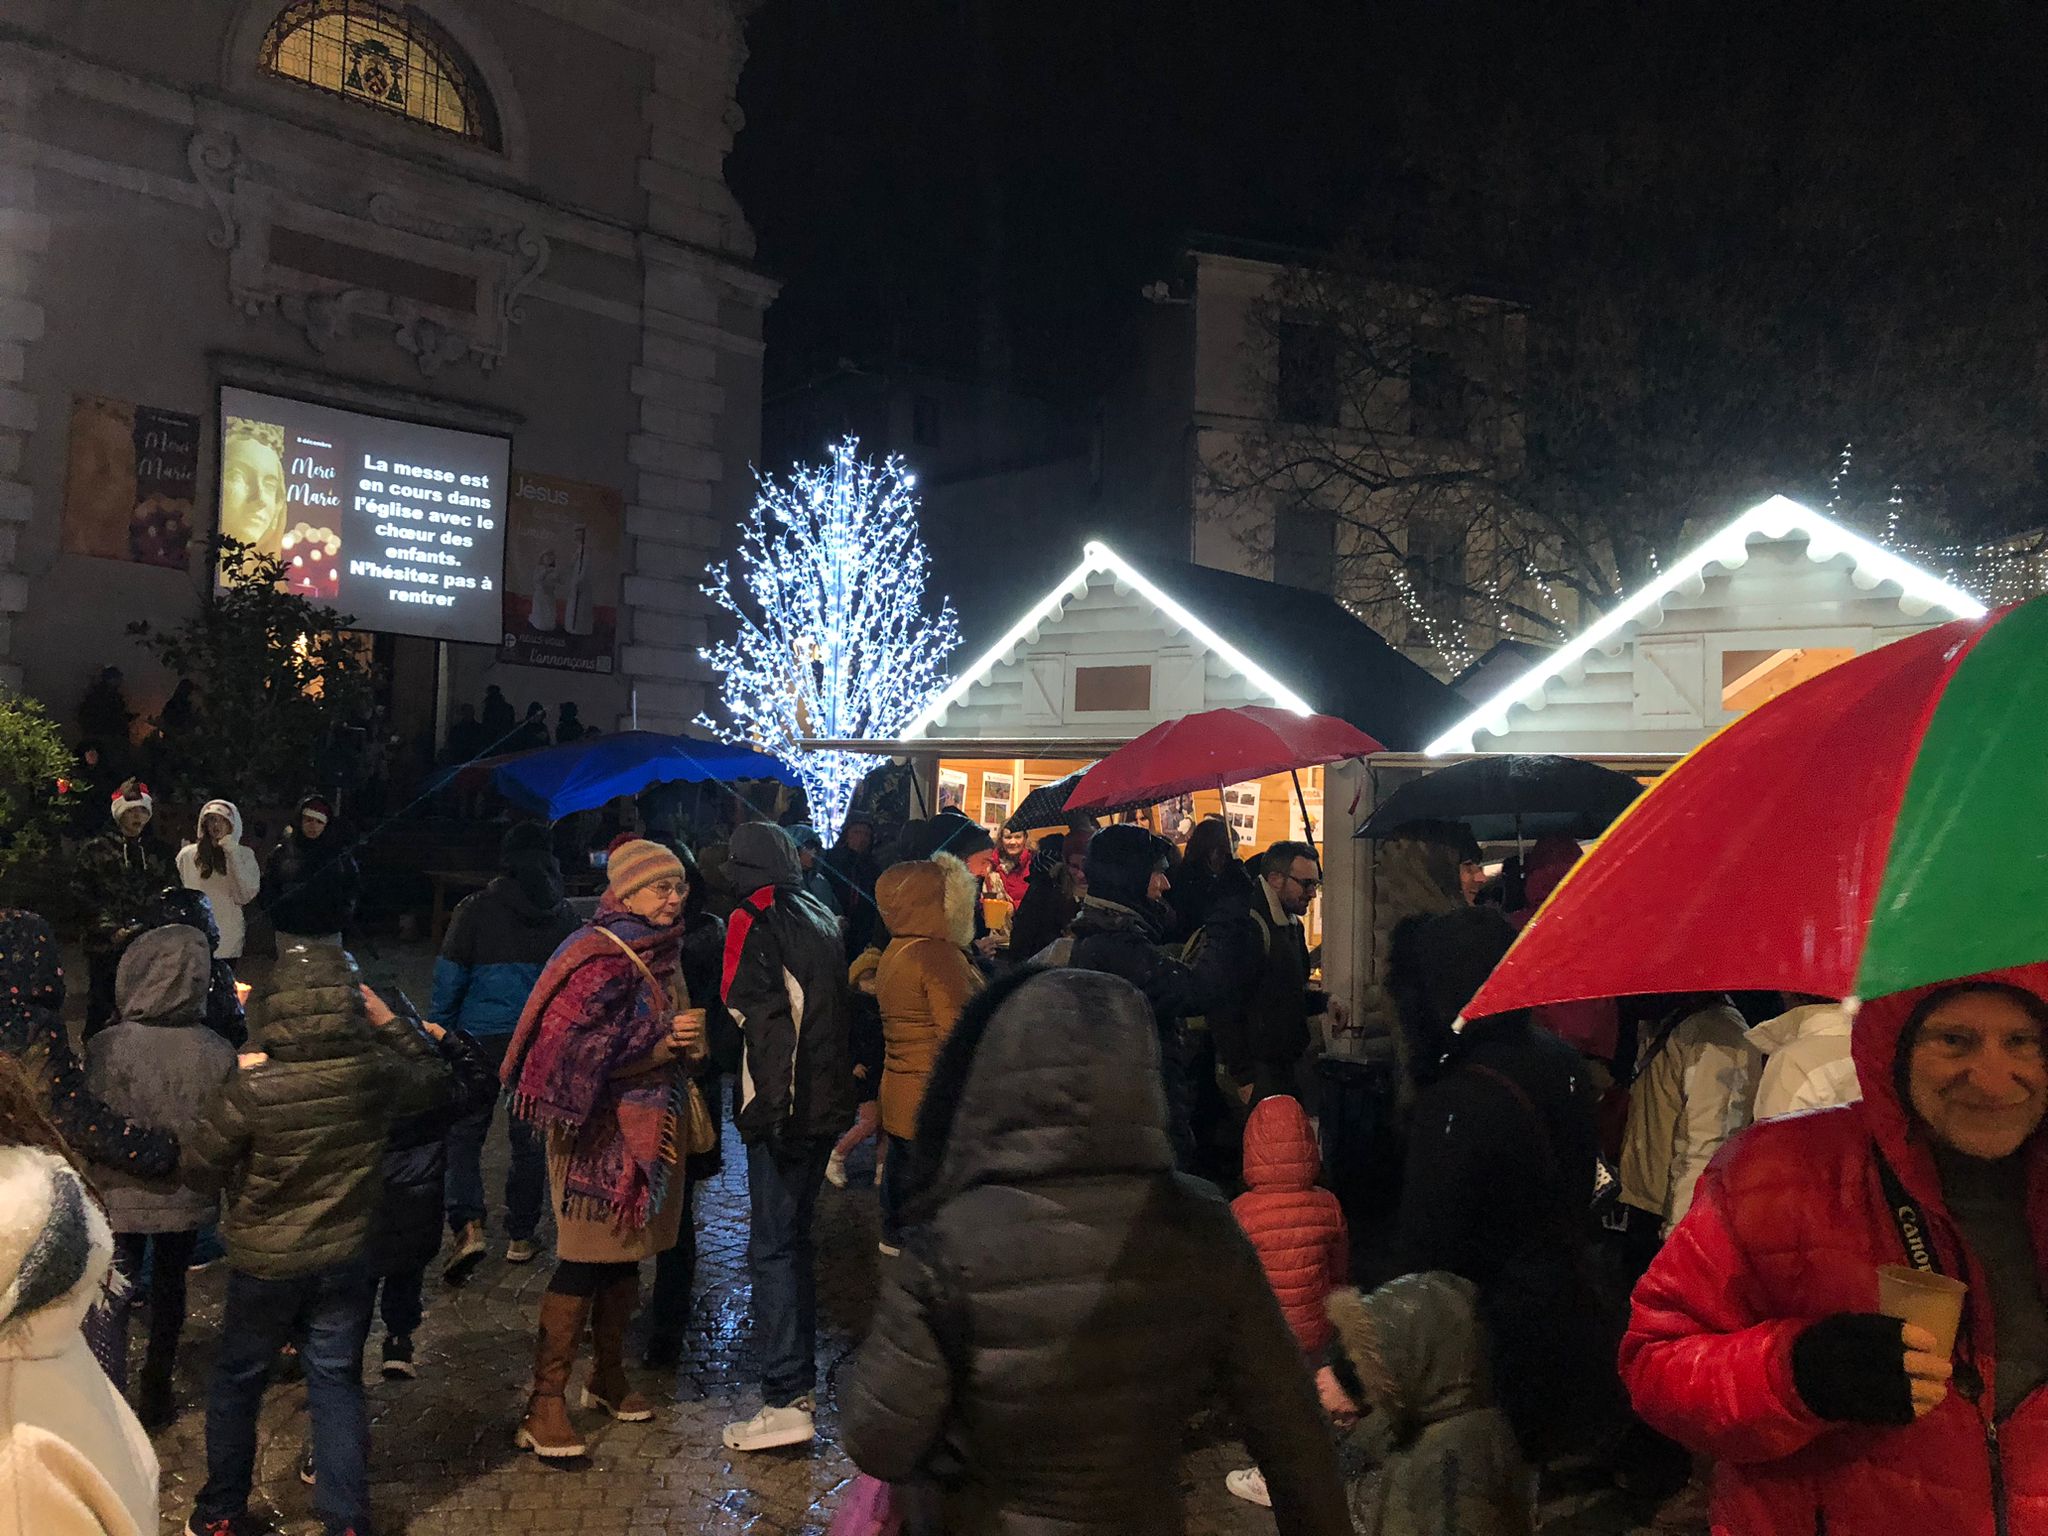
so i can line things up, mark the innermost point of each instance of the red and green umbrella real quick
(1879, 827)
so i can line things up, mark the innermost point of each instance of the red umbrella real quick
(1871, 830)
(1212, 749)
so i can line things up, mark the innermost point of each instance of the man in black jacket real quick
(310, 883)
(785, 986)
(1499, 1175)
(119, 874)
(1119, 929)
(1262, 1036)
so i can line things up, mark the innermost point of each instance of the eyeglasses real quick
(667, 887)
(1310, 884)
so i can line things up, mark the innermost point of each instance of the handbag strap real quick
(633, 955)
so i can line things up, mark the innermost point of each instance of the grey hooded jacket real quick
(162, 1068)
(1435, 1455)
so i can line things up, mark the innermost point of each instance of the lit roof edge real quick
(1098, 556)
(1778, 516)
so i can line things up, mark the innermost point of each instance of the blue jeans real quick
(895, 1173)
(526, 1181)
(402, 1302)
(329, 1313)
(783, 1193)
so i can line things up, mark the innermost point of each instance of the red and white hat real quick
(133, 795)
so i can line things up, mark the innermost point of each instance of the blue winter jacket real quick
(497, 942)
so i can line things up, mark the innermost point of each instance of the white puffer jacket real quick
(73, 1459)
(234, 887)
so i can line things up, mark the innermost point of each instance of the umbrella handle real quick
(1307, 825)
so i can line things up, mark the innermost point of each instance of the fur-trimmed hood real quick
(928, 899)
(1418, 1347)
(55, 1248)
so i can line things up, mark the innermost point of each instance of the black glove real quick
(1851, 1368)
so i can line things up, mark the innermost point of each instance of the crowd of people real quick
(1068, 1056)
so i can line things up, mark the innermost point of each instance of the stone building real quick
(501, 216)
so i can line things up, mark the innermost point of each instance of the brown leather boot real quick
(546, 1430)
(610, 1388)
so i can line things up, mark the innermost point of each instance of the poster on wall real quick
(1241, 810)
(952, 788)
(398, 523)
(131, 478)
(997, 791)
(563, 559)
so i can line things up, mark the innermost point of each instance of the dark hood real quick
(1099, 915)
(30, 968)
(1444, 961)
(1418, 1347)
(1048, 1074)
(531, 886)
(177, 904)
(163, 977)
(312, 1009)
(759, 854)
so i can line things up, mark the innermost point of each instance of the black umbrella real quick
(1045, 806)
(1506, 797)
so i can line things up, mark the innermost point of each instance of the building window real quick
(1308, 393)
(384, 56)
(1436, 566)
(1436, 395)
(924, 421)
(1112, 690)
(1750, 678)
(1305, 547)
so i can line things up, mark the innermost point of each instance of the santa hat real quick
(133, 796)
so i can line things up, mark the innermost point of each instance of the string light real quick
(834, 640)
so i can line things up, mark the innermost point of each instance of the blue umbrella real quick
(583, 775)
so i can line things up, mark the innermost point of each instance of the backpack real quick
(1191, 952)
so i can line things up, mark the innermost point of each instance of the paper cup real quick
(1926, 1300)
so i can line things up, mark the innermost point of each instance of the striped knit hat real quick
(636, 864)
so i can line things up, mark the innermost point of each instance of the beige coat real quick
(73, 1460)
(925, 977)
(1694, 1089)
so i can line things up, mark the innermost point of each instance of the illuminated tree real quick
(834, 641)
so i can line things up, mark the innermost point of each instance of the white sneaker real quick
(835, 1171)
(520, 1251)
(772, 1427)
(888, 1252)
(1249, 1484)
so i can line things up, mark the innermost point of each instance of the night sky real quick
(981, 185)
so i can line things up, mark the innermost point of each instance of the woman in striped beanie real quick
(597, 1064)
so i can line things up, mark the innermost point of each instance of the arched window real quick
(390, 57)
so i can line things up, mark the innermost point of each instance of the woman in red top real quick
(1755, 1338)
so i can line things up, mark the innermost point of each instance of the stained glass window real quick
(385, 56)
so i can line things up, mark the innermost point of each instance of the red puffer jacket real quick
(1297, 1228)
(1790, 1225)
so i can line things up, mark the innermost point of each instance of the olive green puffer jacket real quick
(296, 1140)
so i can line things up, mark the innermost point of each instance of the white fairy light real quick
(834, 640)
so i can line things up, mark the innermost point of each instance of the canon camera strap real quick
(1906, 1217)
(1920, 1253)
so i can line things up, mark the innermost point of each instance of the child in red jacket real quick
(1298, 1231)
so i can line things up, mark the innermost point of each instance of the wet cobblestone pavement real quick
(442, 1462)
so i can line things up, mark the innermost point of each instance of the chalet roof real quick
(1779, 520)
(1302, 650)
